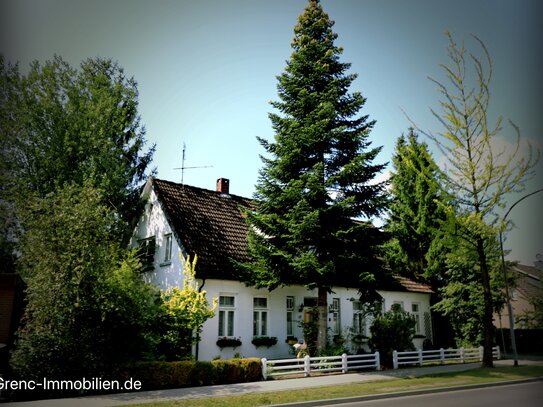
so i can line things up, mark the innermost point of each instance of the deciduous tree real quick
(478, 175)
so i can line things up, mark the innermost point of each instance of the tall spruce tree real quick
(417, 211)
(317, 177)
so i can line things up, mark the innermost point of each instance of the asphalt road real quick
(521, 395)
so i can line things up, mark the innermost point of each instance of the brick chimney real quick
(223, 185)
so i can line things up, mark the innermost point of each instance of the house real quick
(181, 220)
(526, 296)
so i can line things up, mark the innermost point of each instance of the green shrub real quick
(393, 330)
(162, 375)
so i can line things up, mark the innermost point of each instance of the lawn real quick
(476, 376)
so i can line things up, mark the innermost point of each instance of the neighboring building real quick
(526, 296)
(184, 220)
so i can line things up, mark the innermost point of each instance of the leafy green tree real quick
(416, 212)
(317, 177)
(184, 311)
(462, 298)
(478, 175)
(9, 85)
(66, 125)
(390, 331)
(87, 306)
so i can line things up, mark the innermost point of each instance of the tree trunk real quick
(488, 325)
(322, 306)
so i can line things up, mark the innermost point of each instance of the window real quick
(167, 248)
(415, 311)
(226, 315)
(260, 316)
(397, 305)
(359, 318)
(336, 316)
(146, 252)
(290, 316)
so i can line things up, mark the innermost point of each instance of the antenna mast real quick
(183, 168)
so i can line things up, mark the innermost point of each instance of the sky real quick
(206, 72)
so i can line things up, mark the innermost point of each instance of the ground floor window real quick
(227, 311)
(260, 316)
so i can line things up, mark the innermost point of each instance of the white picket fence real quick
(308, 365)
(346, 363)
(420, 357)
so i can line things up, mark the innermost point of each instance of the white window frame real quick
(227, 316)
(260, 317)
(336, 315)
(290, 315)
(168, 239)
(359, 318)
(416, 313)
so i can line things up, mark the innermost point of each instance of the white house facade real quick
(180, 220)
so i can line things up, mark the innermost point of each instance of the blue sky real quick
(206, 71)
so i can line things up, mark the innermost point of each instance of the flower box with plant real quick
(264, 341)
(226, 342)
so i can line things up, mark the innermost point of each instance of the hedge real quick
(163, 375)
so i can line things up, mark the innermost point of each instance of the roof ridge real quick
(212, 191)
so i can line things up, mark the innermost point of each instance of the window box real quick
(264, 341)
(228, 342)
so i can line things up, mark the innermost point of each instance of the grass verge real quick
(471, 377)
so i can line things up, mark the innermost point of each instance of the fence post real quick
(377, 360)
(442, 355)
(307, 365)
(420, 357)
(264, 368)
(344, 366)
(481, 350)
(395, 359)
(462, 357)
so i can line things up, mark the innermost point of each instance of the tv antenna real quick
(183, 168)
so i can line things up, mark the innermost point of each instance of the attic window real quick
(168, 248)
(146, 252)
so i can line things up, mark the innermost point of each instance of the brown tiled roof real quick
(206, 223)
(211, 225)
(413, 286)
(529, 281)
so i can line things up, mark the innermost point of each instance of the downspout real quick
(197, 346)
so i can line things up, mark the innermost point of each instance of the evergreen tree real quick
(416, 212)
(317, 177)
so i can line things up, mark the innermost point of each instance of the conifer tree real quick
(416, 212)
(318, 176)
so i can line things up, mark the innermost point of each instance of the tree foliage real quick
(416, 212)
(87, 307)
(317, 176)
(184, 312)
(462, 297)
(61, 126)
(478, 174)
